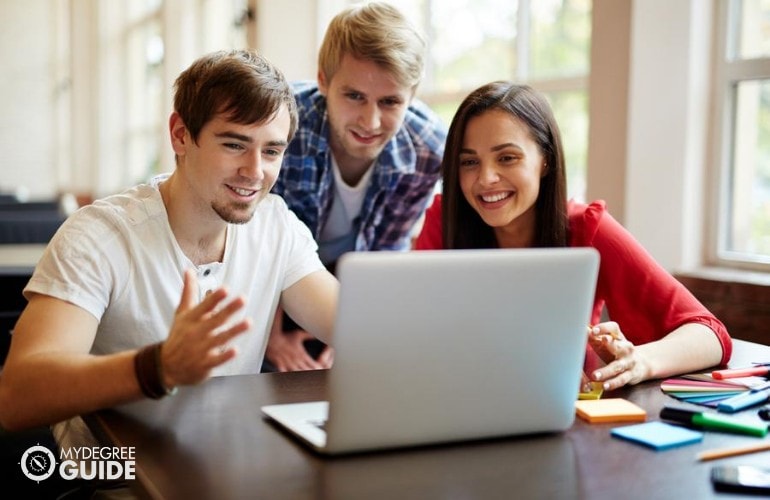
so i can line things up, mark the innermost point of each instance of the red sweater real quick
(642, 297)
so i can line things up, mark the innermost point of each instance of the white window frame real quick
(728, 72)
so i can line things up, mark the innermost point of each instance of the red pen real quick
(741, 372)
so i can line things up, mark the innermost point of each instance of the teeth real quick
(494, 197)
(243, 192)
(365, 136)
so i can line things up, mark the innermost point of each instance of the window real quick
(125, 64)
(142, 51)
(743, 89)
(544, 43)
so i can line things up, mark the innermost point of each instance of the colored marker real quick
(742, 401)
(713, 421)
(761, 371)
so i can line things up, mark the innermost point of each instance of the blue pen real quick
(755, 396)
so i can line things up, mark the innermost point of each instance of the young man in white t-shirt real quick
(171, 282)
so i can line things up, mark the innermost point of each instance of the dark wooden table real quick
(211, 441)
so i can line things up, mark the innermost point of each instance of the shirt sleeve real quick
(642, 297)
(303, 255)
(74, 267)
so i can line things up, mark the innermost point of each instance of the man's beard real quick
(233, 213)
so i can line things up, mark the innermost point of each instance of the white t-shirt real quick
(340, 230)
(119, 260)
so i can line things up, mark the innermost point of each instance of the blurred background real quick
(664, 104)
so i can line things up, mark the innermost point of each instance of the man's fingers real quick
(326, 358)
(303, 335)
(298, 363)
(210, 302)
(219, 350)
(220, 340)
(188, 303)
(189, 291)
(221, 316)
(209, 317)
(219, 355)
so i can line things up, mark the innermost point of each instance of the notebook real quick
(450, 345)
(610, 410)
(658, 435)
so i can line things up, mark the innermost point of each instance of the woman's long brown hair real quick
(462, 227)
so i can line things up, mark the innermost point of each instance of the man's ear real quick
(323, 85)
(178, 132)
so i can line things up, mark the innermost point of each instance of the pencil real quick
(614, 335)
(730, 452)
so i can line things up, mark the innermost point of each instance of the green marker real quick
(713, 421)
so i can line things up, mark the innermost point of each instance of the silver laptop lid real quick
(438, 346)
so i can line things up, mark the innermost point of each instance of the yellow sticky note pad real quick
(595, 393)
(609, 410)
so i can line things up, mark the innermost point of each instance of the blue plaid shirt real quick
(401, 186)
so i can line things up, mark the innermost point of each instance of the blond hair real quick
(378, 32)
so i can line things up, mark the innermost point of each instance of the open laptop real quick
(451, 345)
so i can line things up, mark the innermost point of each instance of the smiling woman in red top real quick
(504, 186)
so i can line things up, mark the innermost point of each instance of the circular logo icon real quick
(38, 463)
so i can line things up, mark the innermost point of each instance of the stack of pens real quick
(756, 395)
(728, 391)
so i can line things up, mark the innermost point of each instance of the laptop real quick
(450, 345)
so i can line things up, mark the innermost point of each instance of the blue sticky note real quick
(658, 435)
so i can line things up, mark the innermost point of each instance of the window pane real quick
(445, 109)
(560, 38)
(571, 112)
(473, 42)
(754, 33)
(144, 69)
(749, 228)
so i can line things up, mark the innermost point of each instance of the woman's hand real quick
(624, 363)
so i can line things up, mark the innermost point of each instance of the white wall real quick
(608, 104)
(290, 33)
(290, 45)
(667, 129)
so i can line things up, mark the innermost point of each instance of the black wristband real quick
(159, 369)
(149, 372)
